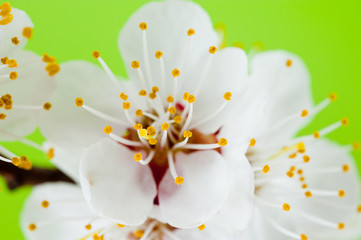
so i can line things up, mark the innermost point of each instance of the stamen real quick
(15, 40)
(158, 55)
(177, 179)
(52, 69)
(28, 32)
(221, 143)
(212, 51)
(148, 159)
(48, 59)
(143, 26)
(202, 227)
(108, 130)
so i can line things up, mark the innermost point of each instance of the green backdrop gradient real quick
(325, 33)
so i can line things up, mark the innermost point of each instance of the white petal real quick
(116, 186)
(204, 190)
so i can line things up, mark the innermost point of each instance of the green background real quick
(325, 33)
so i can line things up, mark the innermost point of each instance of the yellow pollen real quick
(139, 113)
(175, 72)
(143, 133)
(304, 113)
(15, 161)
(151, 131)
(52, 69)
(12, 63)
(222, 142)
(5, 9)
(138, 157)
(4, 60)
(300, 171)
(191, 32)
(344, 121)
(79, 102)
(341, 193)
(152, 141)
(135, 64)
(290, 174)
(301, 150)
(28, 32)
(170, 99)
(2, 116)
(13, 75)
(142, 93)
(302, 179)
(308, 194)
(252, 142)
(185, 96)
(155, 89)
(1, 103)
(158, 54)
(303, 237)
(212, 50)
(120, 225)
(126, 105)
(97, 237)
(187, 134)
(202, 227)
(292, 155)
(304, 185)
(6, 19)
(316, 134)
(266, 168)
(138, 126)
(179, 180)
(143, 26)
(15, 40)
(32, 227)
(123, 96)
(96, 54)
(152, 95)
(51, 153)
(45, 204)
(300, 145)
(306, 158)
(289, 63)
(139, 233)
(191, 99)
(345, 168)
(177, 119)
(22, 163)
(286, 207)
(227, 96)
(359, 209)
(108, 129)
(172, 110)
(356, 146)
(48, 59)
(88, 226)
(341, 226)
(47, 106)
(165, 126)
(292, 168)
(332, 97)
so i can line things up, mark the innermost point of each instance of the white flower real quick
(59, 211)
(305, 187)
(151, 164)
(26, 81)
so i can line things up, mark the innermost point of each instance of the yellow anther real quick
(252, 142)
(158, 54)
(151, 131)
(301, 146)
(152, 141)
(13, 75)
(123, 96)
(187, 134)
(303, 237)
(52, 69)
(356, 146)
(2, 116)
(175, 72)
(302, 179)
(138, 157)
(32, 227)
(152, 95)
(359, 208)
(120, 225)
(304, 113)
(344, 121)
(97, 237)
(143, 132)
(2, 104)
(135, 64)
(45, 204)
(142, 93)
(165, 126)
(5, 9)
(48, 59)
(301, 150)
(4, 60)
(304, 185)
(15, 40)
(341, 226)
(50, 153)
(212, 50)
(290, 174)
(185, 96)
(191, 32)
(126, 105)
(227, 96)
(293, 168)
(25, 163)
(108, 129)
(143, 26)
(332, 97)
(139, 113)
(155, 89)
(316, 134)
(341, 193)
(289, 63)
(15, 161)
(293, 155)
(96, 54)
(345, 168)
(6, 19)
(179, 180)
(222, 142)
(177, 119)
(47, 106)
(170, 99)
(88, 226)
(191, 99)
(265, 168)
(308, 194)
(79, 102)
(12, 63)
(172, 110)
(306, 158)
(300, 171)
(28, 32)
(138, 126)
(202, 227)
(286, 207)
